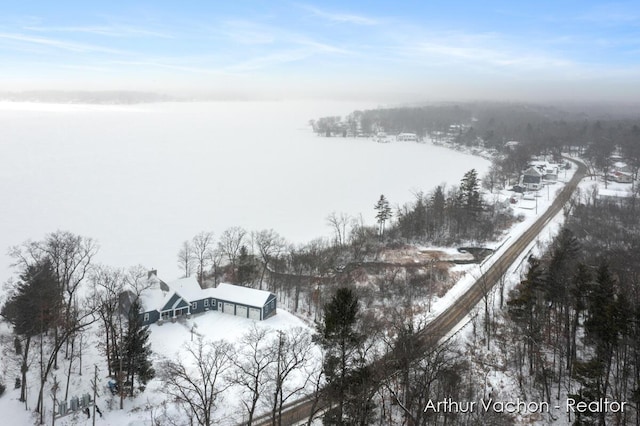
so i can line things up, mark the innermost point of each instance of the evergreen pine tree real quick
(348, 377)
(383, 213)
(138, 348)
(602, 331)
(247, 268)
(33, 309)
(470, 199)
(437, 205)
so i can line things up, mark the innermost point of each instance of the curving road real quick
(299, 410)
(447, 320)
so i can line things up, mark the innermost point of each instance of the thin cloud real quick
(247, 32)
(342, 18)
(491, 57)
(103, 30)
(611, 14)
(322, 47)
(169, 66)
(268, 61)
(60, 44)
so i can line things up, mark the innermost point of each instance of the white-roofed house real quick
(178, 301)
(151, 297)
(407, 137)
(183, 297)
(243, 301)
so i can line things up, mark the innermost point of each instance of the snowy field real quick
(142, 179)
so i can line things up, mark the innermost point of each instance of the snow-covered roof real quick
(154, 292)
(532, 171)
(238, 294)
(155, 297)
(151, 299)
(188, 288)
(612, 193)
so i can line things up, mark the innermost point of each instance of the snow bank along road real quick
(443, 324)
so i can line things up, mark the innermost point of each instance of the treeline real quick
(419, 120)
(448, 216)
(539, 130)
(574, 322)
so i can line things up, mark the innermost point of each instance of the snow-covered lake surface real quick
(142, 179)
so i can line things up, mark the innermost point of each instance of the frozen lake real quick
(142, 179)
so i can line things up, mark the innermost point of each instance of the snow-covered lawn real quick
(167, 340)
(170, 337)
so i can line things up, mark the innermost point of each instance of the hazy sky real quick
(381, 51)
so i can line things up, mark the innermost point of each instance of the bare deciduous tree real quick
(196, 379)
(108, 284)
(231, 240)
(137, 279)
(293, 353)
(269, 245)
(339, 223)
(251, 366)
(185, 258)
(202, 250)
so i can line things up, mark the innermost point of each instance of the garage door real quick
(241, 311)
(254, 314)
(228, 308)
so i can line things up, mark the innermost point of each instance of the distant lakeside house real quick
(531, 179)
(181, 298)
(407, 137)
(621, 173)
(538, 174)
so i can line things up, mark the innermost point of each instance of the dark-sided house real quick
(163, 302)
(243, 301)
(532, 179)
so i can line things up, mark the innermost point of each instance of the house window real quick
(194, 305)
(206, 303)
(146, 317)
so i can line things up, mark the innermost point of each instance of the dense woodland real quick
(572, 325)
